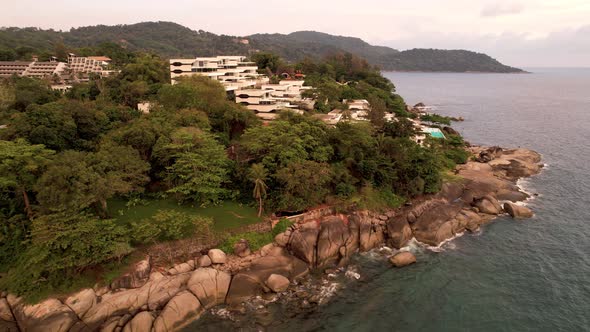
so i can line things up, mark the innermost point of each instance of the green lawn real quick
(225, 216)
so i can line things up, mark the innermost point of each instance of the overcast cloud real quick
(521, 33)
(499, 9)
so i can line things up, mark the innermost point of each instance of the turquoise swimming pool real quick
(435, 132)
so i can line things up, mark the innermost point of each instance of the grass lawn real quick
(225, 216)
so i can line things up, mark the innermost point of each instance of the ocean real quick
(525, 275)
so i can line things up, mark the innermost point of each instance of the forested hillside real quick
(67, 159)
(173, 40)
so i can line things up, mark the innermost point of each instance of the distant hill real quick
(173, 40)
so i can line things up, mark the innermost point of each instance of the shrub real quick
(167, 225)
(256, 240)
(458, 156)
(281, 226)
(379, 199)
(62, 245)
(12, 236)
(435, 118)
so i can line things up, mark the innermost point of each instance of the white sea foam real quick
(445, 245)
(223, 313)
(524, 184)
(327, 291)
(352, 275)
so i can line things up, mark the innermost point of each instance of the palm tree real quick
(258, 175)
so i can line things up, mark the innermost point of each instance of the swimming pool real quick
(434, 132)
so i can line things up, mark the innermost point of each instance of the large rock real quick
(110, 325)
(353, 242)
(517, 163)
(82, 301)
(282, 239)
(333, 235)
(242, 248)
(180, 268)
(137, 277)
(303, 242)
(49, 315)
(399, 230)
(143, 321)
(217, 256)
(116, 304)
(210, 286)
(371, 234)
(182, 310)
(517, 211)
(164, 289)
(488, 205)
(511, 194)
(437, 223)
(251, 281)
(7, 321)
(466, 220)
(277, 283)
(403, 259)
(204, 261)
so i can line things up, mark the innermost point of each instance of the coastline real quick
(455, 72)
(167, 300)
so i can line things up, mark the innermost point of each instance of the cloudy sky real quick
(524, 33)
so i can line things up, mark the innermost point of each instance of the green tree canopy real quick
(20, 166)
(77, 180)
(198, 166)
(302, 184)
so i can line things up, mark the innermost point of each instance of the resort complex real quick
(243, 82)
(61, 74)
(241, 78)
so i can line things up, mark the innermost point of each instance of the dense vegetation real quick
(173, 40)
(64, 157)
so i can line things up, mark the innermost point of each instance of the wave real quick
(525, 185)
(417, 246)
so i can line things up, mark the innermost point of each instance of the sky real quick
(522, 33)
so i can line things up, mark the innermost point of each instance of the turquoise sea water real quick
(531, 275)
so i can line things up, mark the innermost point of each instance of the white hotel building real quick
(233, 72)
(250, 88)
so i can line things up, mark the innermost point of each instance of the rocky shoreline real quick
(168, 300)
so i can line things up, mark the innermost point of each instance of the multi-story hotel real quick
(251, 89)
(262, 102)
(9, 68)
(233, 72)
(91, 64)
(38, 69)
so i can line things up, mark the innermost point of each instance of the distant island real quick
(169, 40)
